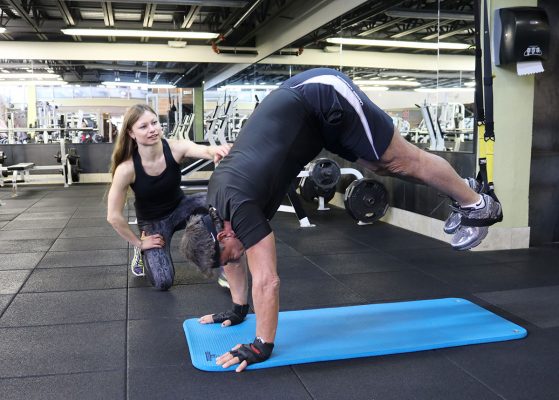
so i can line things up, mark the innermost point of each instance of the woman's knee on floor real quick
(159, 268)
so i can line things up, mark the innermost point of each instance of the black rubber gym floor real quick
(75, 324)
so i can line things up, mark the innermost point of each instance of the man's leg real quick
(404, 160)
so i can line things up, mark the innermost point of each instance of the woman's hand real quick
(151, 242)
(220, 151)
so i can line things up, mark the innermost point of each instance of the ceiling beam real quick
(6, 10)
(205, 3)
(65, 13)
(302, 18)
(130, 68)
(415, 29)
(108, 15)
(204, 54)
(381, 26)
(190, 17)
(149, 14)
(460, 31)
(420, 14)
(16, 5)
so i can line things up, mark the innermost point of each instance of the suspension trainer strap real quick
(484, 98)
(480, 115)
(489, 136)
(488, 77)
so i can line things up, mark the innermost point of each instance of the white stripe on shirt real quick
(345, 90)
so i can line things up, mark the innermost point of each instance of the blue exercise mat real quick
(357, 331)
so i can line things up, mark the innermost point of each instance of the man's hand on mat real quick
(208, 319)
(226, 360)
(246, 354)
(227, 318)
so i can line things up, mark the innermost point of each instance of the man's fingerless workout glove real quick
(255, 352)
(236, 315)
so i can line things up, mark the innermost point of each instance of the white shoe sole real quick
(473, 244)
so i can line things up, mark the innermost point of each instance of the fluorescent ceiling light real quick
(399, 43)
(247, 87)
(444, 89)
(375, 88)
(2, 30)
(332, 49)
(381, 82)
(135, 85)
(140, 33)
(29, 83)
(8, 75)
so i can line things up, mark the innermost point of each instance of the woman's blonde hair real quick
(125, 145)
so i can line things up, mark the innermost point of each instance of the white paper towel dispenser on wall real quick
(521, 35)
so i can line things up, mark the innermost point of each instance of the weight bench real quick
(21, 169)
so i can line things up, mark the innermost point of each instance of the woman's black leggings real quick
(158, 263)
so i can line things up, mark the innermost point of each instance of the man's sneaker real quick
(468, 236)
(137, 264)
(222, 281)
(452, 223)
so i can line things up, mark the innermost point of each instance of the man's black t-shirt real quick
(275, 144)
(319, 108)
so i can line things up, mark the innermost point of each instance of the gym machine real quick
(70, 168)
(182, 131)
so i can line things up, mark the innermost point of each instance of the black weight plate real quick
(75, 173)
(366, 200)
(329, 195)
(307, 190)
(325, 174)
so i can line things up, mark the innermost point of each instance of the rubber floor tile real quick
(11, 281)
(78, 278)
(417, 376)
(179, 301)
(89, 243)
(538, 305)
(186, 382)
(516, 370)
(20, 260)
(62, 349)
(67, 259)
(52, 308)
(83, 386)
(398, 285)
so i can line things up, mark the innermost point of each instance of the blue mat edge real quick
(522, 333)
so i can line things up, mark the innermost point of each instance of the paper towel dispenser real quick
(520, 34)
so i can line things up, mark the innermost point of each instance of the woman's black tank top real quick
(157, 196)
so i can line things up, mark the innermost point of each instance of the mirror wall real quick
(427, 91)
(417, 65)
(50, 106)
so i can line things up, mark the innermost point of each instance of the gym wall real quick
(544, 170)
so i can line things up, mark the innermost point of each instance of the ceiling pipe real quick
(421, 14)
(223, 36)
